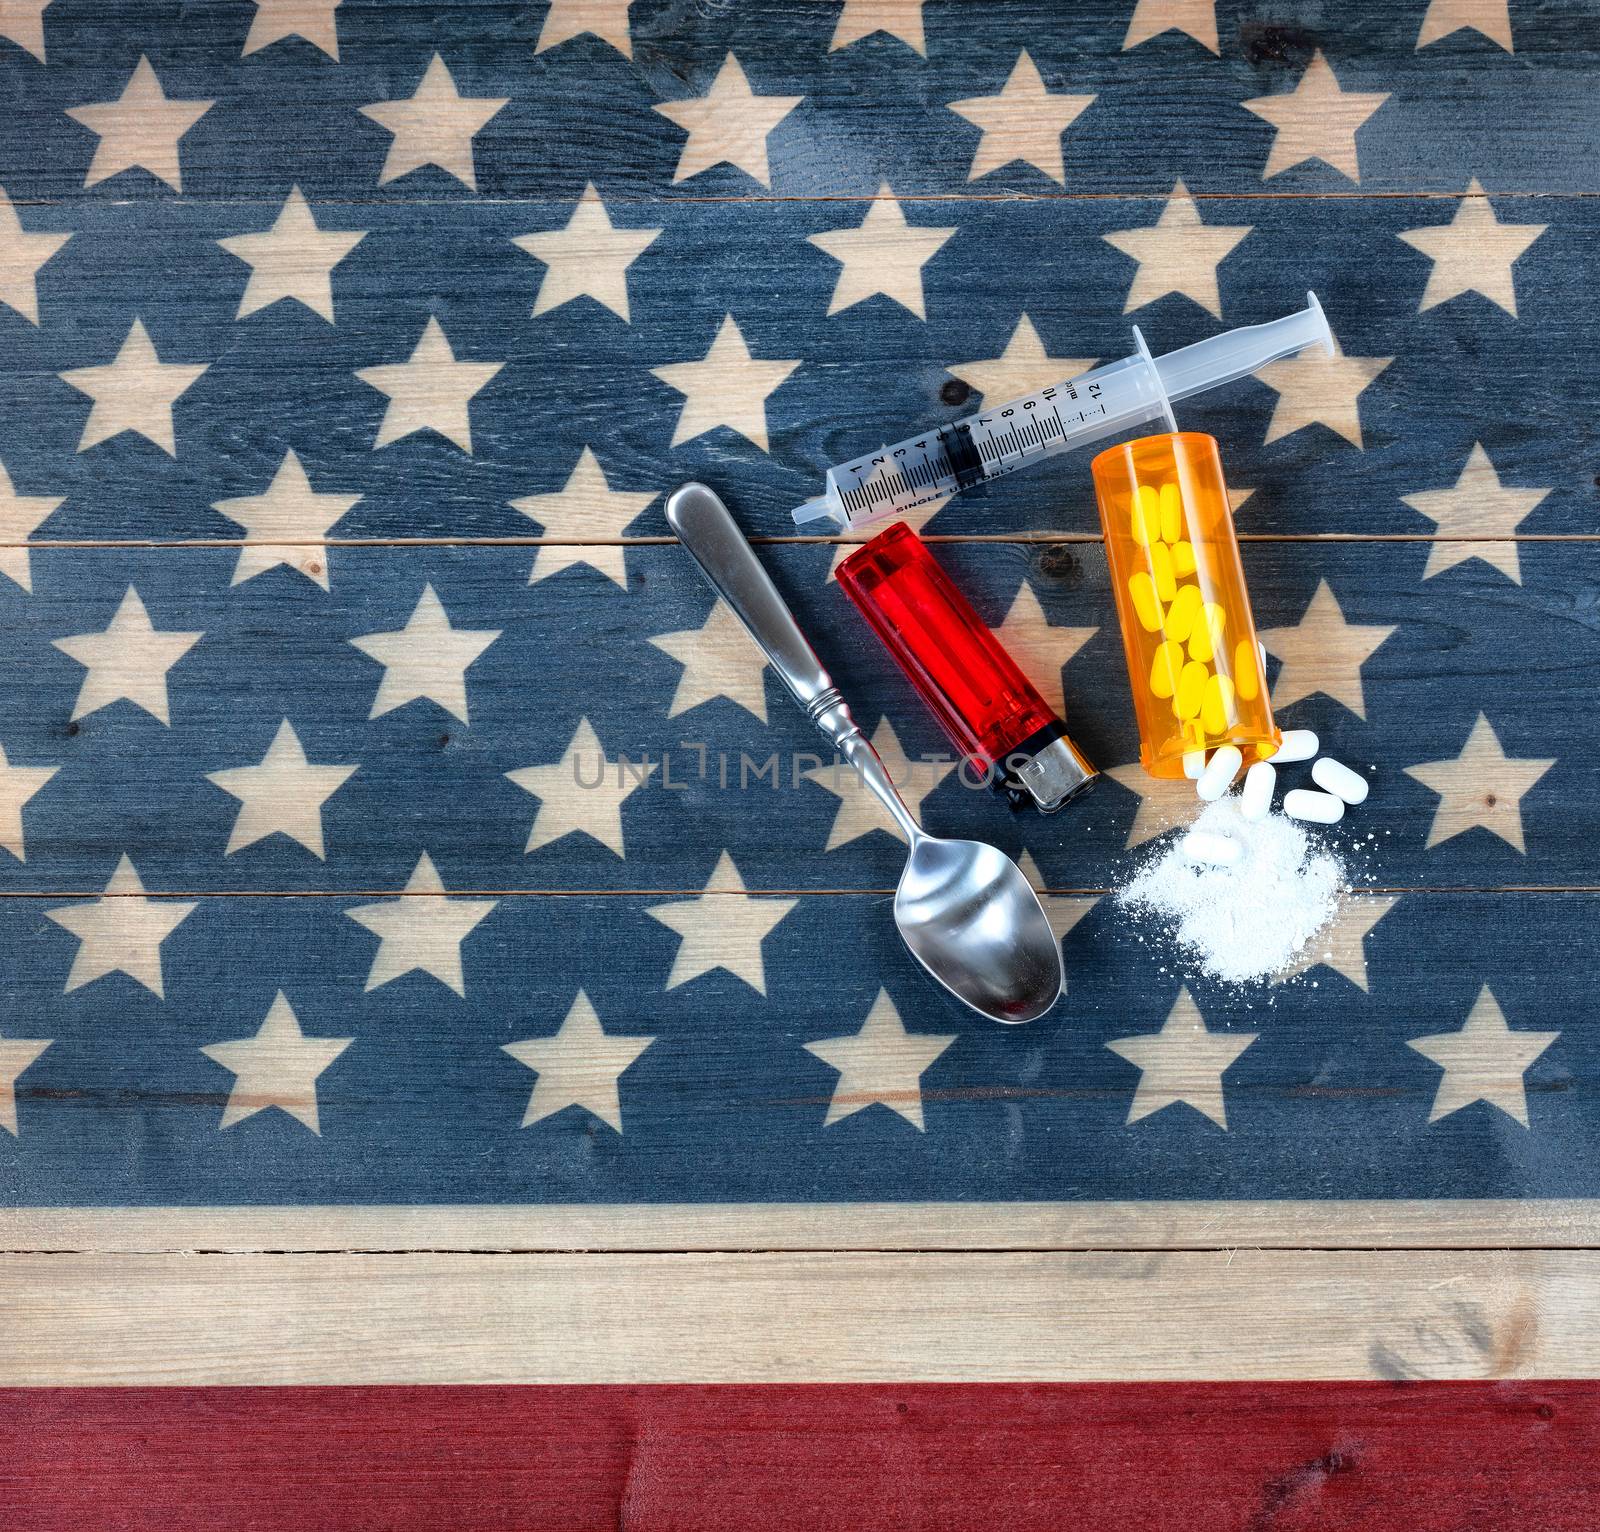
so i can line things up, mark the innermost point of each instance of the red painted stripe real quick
(1425, 1457)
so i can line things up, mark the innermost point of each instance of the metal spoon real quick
(965, 910)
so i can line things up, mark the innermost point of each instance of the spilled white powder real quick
(1249, 920)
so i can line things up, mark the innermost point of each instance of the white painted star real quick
(1022, 121)
(1341, 946)
(1196, 18)
(22, 22)
(18, 785)
(589, 518)
(1183, 1062)
(1490, 17)
(1323, 653)
(897, 18)
(580, 1066)
(1024, 366)
(723, 928)
(719, 659)
(1178, 253)
(1316, 121)
(1473, 253)
(426, 659)
(20, 517)
(1163, 802)
(1483, 1061)
(139, 130)
(1483, 786)
(279, 1066)
(121, 931)
(588, 257)
(729, 124)
(605, 19)
(287, 523)
(21, 255)
(883, 254)
(1063, 911)
(727, 387)
(882, 1064)
(129, 658)
(1041, 649)
(133, 392)
(581, 793)
(860, 813)
(282, 795)
(435, 126)
(1316, 389)
(16, 1054)
(421, 931)
(310, 20)
(1477, 507)
(430, 391)
(293, 259)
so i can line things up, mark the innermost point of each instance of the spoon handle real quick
(712, 536)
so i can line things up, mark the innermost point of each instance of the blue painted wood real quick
(576, 646)
(727, 1106)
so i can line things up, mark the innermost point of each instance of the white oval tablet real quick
(1298, 745)
(1218, 850)
(1338, 779)
(1319, 808)
(1255, 802)
(1194, 762)
(1220, 771)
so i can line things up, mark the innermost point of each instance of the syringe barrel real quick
(1238, 353)
(1187, 629)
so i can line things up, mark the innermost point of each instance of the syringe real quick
(1101, 403)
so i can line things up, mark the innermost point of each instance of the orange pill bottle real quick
(1194, 662)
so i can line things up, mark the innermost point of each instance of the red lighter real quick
(987, 706)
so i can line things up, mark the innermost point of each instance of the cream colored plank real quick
(301, 1319)
(823, 1226)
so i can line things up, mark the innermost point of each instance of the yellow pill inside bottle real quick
(1183, 564)
(1165, 668)
(1161, 571)
(1246, 670)
(1206, 633)
(1145, 515)
(1142, 592)
(1182, 613)
(1187, 700)
(1217, 710)
(1171, 512)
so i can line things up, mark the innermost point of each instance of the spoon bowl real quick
(971, 919)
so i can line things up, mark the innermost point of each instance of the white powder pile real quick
(1249, 920)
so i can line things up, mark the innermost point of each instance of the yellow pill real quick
(1194, 735)
(1206, 633)
(1217, 710)
(1143, 591)
(1164, 668)
(1246, 670)
(1191, 690)
(1182, 613)
(1171, 513)
(1161, 568)
(1183, 559)
(1145, 515)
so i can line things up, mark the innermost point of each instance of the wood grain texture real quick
(1340, 1457)
(1465, 643)
(73, 1320)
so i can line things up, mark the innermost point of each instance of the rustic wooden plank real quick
(724, 1102)
(576, 646)
(282, 379)
(874, 108)
(329, 1319)
(1343, 1456)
